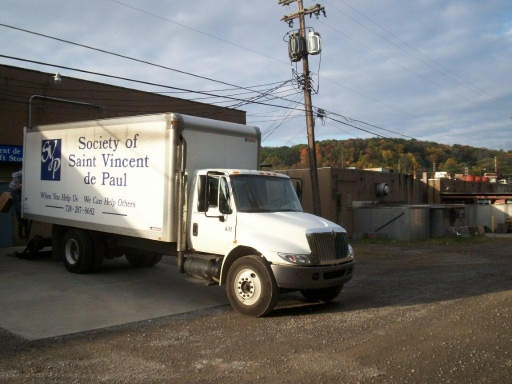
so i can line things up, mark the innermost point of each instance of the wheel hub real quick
(248, 286)
(72, 252)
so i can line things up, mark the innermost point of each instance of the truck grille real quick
(327, 246)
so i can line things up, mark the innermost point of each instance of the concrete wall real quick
(412, 223)
(404, 223)
(487, 215)
(445, 216)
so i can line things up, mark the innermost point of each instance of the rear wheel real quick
(251, 286)
(77, 251)
(143, 260)
(323, 294)
(99, 249)
(155, 260)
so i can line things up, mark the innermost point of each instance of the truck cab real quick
(259, 240)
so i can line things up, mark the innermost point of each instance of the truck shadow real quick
(410, 278)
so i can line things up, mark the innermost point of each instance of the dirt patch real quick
(438, 311)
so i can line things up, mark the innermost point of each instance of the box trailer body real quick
(119, 175)
(171, 184)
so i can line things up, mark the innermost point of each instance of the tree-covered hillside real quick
(402, 155)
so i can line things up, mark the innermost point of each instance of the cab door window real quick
(218, 196)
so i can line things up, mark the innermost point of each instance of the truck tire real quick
(77, 251)
(143, 260)
(251, 287)
(156, 259)
(99, 251)
(323, 294)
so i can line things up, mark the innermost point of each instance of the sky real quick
(430, 70)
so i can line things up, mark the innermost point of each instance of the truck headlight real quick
(294, 258)
(350, 252)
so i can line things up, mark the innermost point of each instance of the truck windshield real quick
(254, 193)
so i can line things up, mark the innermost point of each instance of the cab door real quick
(213, 221)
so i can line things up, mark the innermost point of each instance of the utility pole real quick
(310, 121)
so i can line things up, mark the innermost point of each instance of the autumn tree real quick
(406, 155)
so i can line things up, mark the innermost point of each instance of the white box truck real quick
(170, 184)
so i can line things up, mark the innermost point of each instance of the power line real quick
(348, 133)
(371, 125)
(259, 53)
(358, 128)
(444, 70)
(267, 133)
(284, 117)
(240, 102)
(120, 55)
(196, 30)
(424, 78)
(262, 95)
(206, 94)
(136, 81)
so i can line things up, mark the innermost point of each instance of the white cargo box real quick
(118, 175)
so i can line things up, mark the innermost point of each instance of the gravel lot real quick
(437, 312)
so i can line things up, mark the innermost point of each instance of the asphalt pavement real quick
(41, 299)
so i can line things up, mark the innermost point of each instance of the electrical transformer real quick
(296, 47)
(314, 43)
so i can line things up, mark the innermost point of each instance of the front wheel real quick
(251, 287)
(323, 294)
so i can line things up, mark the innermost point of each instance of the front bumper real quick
(293, 277)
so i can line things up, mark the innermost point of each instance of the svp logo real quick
(50, 159)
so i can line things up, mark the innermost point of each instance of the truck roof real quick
(244, 172)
